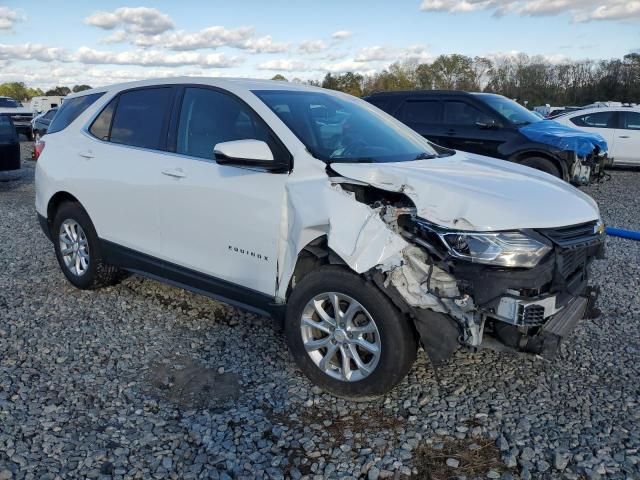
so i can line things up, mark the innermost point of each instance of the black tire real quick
(542, 164)
(98, 273)
(397, 338)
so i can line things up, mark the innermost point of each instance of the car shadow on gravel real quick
(192, 386)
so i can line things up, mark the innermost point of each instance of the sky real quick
(98, 43)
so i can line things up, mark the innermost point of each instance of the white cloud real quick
(283, 65)
(8, 18)
(263, 45)
(341, 35)
(580, 10)
(143, 20)
(155, 58)
(376, 53)
(312, 46)
(32, 51)
(210, 37)
(380, 54)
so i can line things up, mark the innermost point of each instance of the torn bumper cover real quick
(456, 303)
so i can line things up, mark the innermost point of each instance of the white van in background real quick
(44, 104)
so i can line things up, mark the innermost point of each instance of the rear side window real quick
(209, 117)
(102, 124)
(596, 120)
(462, 113)
(420, 111)
(631, 120)
(140, 118)
(70, 110)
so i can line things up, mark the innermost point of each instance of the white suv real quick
(356, 234)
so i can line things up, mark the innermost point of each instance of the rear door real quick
(122, 156)
(471, 128)
(604, 123)
(627, 138)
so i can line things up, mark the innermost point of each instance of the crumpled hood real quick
(472, 192)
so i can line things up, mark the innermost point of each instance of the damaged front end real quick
(522, 290)
(588, 168)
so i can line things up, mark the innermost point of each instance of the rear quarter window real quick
(70, 110)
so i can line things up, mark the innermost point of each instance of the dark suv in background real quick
(487, 124)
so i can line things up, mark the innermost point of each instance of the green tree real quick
(80, 88)
(277, 76)
(59, 91)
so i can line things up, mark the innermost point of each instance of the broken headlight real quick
(505, 249)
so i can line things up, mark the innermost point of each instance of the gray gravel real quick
(143, 380)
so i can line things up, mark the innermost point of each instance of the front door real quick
(218, 220)
(469, 129)
(627, 138)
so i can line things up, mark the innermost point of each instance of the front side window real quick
(70, 110)
(420, 111)
(343, 129)
(463, 113)
(209, 117)
(631, 120)
(595, 120)
(49, 115)
(140, 117)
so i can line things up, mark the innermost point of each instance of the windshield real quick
(510, 110)
(340, 129)
(9, 103)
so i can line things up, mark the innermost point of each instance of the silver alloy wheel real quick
(74, 247)
(340, 336)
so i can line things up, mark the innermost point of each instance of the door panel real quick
(462, 132)
(627, 138)
(425, 117)
(220, 220)
(603, 123)
(120, 155)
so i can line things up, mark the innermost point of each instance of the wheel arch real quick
(558, 162)
(54, 203)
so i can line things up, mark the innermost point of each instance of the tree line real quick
(524, 78)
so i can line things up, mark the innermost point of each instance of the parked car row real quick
(358, 235)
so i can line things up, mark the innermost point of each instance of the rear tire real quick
(542, 164)
(364, 354)
(78, 249)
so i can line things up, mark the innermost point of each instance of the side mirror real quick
(244, 153)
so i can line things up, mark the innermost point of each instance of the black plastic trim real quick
(167, 272)
(44, 225)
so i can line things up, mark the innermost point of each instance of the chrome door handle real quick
(88, 154)
(174, 172)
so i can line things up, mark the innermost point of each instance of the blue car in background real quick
(495, 126)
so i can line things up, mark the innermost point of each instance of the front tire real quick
(542, 164)
(78, 249)
(361, 352)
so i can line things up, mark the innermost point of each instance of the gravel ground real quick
(143, 380)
